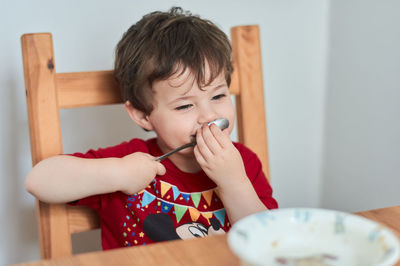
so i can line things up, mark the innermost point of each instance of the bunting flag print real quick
(207, 195)
(166, 206)
(164, 188)
(176, 192)
(194, 214)
(207, 215)
(220, 215)
(196, 198)
(186, 196)
(179, 212)
(147, 198)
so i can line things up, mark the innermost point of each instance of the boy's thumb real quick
(161, 169)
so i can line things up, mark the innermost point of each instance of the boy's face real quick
(181, 107)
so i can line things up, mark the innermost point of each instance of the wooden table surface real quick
(211, 250)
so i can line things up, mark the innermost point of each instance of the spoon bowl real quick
(222, 123)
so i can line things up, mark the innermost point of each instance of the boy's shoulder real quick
(247, 153)
(119, 150)
(242, 148)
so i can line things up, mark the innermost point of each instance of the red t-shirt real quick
(177, 205)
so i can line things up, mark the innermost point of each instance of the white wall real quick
(362, 125)
(295, 39)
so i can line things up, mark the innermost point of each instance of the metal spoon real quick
(222, 123)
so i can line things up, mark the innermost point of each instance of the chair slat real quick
(251, 126)
(82, 89)
(82, 219)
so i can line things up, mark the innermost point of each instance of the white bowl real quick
(302, 236)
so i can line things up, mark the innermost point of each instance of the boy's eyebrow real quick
(219, 86)
(184, 96)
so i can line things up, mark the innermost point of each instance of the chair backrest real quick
(47, 92)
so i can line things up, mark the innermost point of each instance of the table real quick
(212, 250)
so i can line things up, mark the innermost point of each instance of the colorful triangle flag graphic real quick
(179, 212)
(176, 192)
(165, 207)
(186, 196)
(196, 198)
(194, 214)
(147, 198)
(207, 195)
(220, 216)
(207, 215)
(164, 188)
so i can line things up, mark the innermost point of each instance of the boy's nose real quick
(207, 115)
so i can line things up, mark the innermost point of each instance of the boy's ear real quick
(138, 116)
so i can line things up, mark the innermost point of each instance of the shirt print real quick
(165, 212)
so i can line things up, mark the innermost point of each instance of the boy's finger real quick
(149, 156)
(210, 140)
(219, 136)
(199, 157)
(160, 169)
(202, 146)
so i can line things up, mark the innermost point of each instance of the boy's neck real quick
(185, 163)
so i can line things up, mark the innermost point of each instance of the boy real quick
(174, 71)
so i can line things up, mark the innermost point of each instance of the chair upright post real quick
(45, 135)
(252, 129)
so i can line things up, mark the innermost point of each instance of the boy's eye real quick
(183, 107)
(219, 96)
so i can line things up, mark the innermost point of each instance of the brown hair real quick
(154, 47)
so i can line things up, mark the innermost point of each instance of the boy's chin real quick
(187, 152)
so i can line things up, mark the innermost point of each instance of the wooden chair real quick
(48, 91)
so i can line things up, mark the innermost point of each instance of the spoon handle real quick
(162, 157)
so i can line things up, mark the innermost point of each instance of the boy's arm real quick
(222, 162)
(65, 178)
(240, 200)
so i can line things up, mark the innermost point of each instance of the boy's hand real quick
(136, 172)
(218, 157)
(222, 162)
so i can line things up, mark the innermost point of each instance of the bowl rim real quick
(383, 229)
